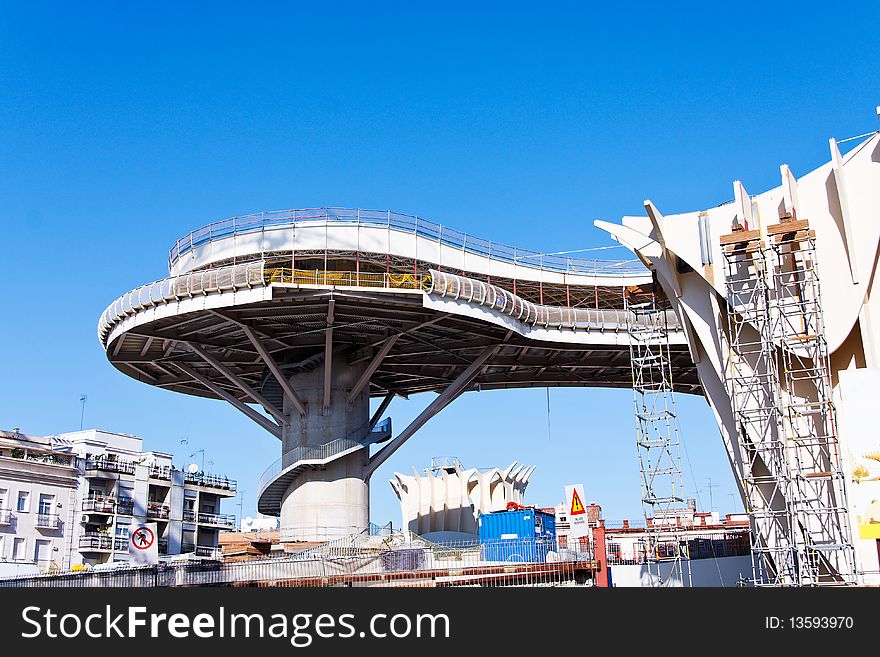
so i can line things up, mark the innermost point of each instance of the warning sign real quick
(577, 513)
(143, 548)
(577, 507)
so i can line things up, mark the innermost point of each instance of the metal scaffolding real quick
(777, 376)
(657, 439)
(822, 541)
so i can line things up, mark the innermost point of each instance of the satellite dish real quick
(192, 468)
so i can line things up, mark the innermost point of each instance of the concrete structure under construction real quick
(445, 502)
(791, 368)
(311, 313)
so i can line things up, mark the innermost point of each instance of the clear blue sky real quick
(125, 125)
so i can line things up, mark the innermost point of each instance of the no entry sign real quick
(143, 544)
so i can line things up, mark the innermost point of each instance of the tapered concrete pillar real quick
(331, 501)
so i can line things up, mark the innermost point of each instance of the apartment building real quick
(38, 487)
(71, 499)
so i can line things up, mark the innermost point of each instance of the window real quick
(3, 494)
(18, 548)
(47, 502)
(24, 501)
(42, 551)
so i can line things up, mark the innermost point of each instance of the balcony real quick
(201, 550)
(156, 511)
(5, 516)
(109, 465)
(189, 515)
(46, 521)
(217, 519)
(206, 551)
(160, 472)
(120, 544)
(125, 506)
(94, 542)
(99, 505)
(207, 480)
(40, 456)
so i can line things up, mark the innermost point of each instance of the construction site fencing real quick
(623, 551)
(274, 220)
(362, 561)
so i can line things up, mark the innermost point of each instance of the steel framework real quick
(823, 544)
(777, 375)
(658, 441)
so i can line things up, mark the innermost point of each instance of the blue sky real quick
(123, 126)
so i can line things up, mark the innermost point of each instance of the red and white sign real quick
(143, 546)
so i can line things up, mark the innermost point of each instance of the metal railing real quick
(380, 561)
(220, 519)
(47, 521)
(210, 481)
(39, 456)
(688, 546)
(105, 464)
(189, 515)
(161, 472)
(93, 541)
(207, 551)
(315, 453)
(197, 283)
(5, 516)
(405, 223)
(125, 506)
(556, 317)
(158, 511)
(99, 505)
(327, 278)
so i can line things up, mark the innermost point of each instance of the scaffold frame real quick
(777, 377)
(658, 437)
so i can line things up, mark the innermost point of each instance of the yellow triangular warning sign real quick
(577, 507)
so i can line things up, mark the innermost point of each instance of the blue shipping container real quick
(525, 535)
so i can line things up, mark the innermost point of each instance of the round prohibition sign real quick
(142, 538)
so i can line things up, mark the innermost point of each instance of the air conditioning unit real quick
(84, 518)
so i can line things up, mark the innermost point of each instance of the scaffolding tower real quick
(658, 443)
(778, 380)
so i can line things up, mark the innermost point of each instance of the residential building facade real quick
(72, 498)
(38, 488)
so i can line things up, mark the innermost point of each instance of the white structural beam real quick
(235, 380)
(452, 391)
(264, 422)
(274, 368)
(328, 353)
(845, 214)
(371, 368)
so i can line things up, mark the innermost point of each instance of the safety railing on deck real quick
(329, 278)
(456, 287)
(261, 221)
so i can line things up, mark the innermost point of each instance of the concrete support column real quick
(331, 501)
